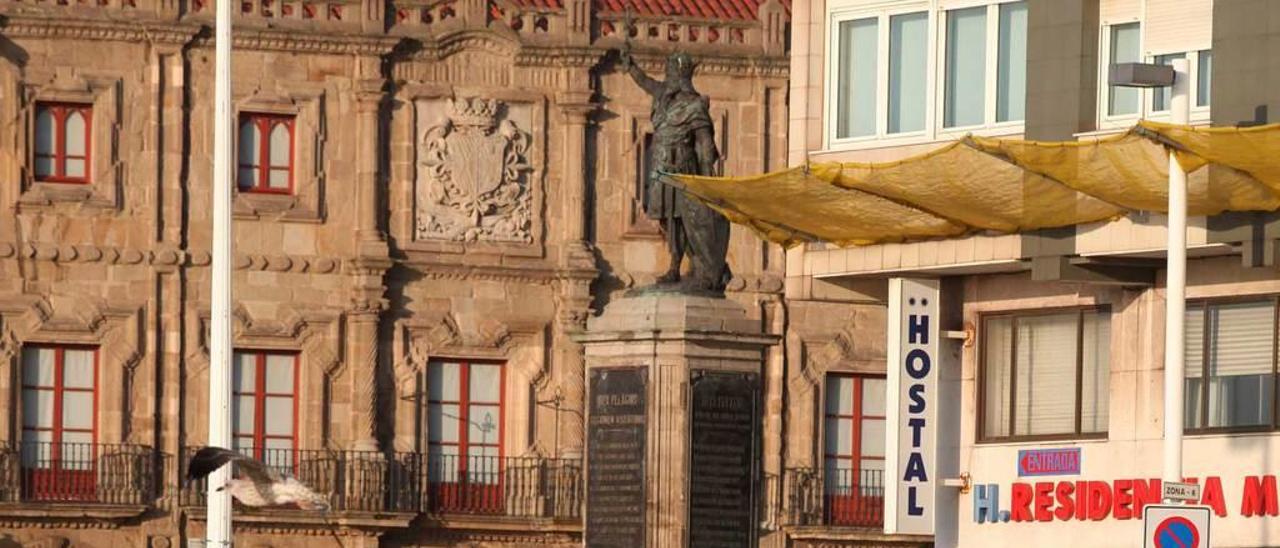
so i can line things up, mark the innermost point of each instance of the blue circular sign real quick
(1177, 532)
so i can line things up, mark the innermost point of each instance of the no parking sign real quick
(1176, 526)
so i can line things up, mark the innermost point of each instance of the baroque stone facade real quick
(462, 184)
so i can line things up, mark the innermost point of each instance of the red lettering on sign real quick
(1123, 500)
(1211, 495)
(1065, 505)
(1099, 500)
(1044, 501)
(1021, 509)
(1145, 492)
(1259, 496)
(1082, 500)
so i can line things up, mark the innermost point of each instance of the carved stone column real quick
(362, 369)
(369, 97)
(371, 263)
(576, 106)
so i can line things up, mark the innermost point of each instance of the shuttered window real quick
(1045, 374)
(1230, 365)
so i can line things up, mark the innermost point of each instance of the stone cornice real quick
(295, 41)
(64, 28)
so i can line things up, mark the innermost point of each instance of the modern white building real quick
(1051, 343)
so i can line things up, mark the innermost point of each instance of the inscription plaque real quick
(723, 448)
(615, 458)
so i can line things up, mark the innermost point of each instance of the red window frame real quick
(260, 394)
(462, 494)
(265, 124)
(854, 507)
(61, 111)
(54, 482)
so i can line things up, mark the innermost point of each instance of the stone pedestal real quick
(674, 415)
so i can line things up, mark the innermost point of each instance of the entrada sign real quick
(1049, 462)
(1120, 499)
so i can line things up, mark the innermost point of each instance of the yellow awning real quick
(1001, 185)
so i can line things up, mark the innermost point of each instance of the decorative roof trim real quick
(32, 26)
(306, 42)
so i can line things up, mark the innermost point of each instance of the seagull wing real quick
(208, 459)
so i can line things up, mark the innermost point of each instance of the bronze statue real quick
(683, 142)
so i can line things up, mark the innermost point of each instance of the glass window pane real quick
(76, 137)
(280, 145)
(872, 438)
(37, 366)
(280, 368)
(76, 452)
(1160, 96)
(37, 408)
(839, 395)
(1095, 392)
(244, 373)
(278, 417)
(44, 166)
(77, 410)
(248, 178)
(856, 73)
(1204, 78)
(997, 375)
(442, 422)
(1241, 340)
(1124, 49)
(75, 167)
(1046, 362)
(873, 394)
(839, 437)
(243, 444)
(908, 56)
(839, 476)
(278, 453)
(1011, 63)
(486, 383)
(37, 448)
(278, 179)
(966, 67)
(46, 138)
(242, 414)
(484, 424)
(77, 368)
(443, 463)
(248, 146)
(442, 381)
(1193, 358)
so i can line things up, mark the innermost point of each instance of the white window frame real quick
(935, 66)
(1199, 114)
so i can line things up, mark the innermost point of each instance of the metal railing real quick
(851, 498)
(369, 481)
(504, 486)
(77, 473)
(416, 483)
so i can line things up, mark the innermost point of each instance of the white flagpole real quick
(1175, 300)
(219, 502)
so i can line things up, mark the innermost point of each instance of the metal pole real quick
(1176, 287)
(219, 502)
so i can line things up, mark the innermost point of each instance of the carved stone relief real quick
(473, 174)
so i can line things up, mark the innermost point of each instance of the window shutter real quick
(1242, 336)
(1046, 374)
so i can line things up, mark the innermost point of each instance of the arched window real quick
(266, 153)
(62, 142)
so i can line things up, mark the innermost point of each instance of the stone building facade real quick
(432, 197)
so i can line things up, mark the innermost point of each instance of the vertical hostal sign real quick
(911, 433)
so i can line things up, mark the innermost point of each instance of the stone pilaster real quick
(370, 266)
(576, 107)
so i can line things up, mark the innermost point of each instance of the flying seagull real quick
(262, 486)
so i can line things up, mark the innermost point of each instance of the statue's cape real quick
(684, 113)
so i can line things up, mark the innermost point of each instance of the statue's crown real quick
(476, 111)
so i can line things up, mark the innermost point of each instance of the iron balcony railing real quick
(504, 486)
(850, 498)
(369, 481)
(416, 483)
(77, 473)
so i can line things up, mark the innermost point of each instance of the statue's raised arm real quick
(648, 84)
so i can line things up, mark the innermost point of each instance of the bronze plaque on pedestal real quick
(615, 458)
(724, 448)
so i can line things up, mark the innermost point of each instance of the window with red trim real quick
(854, 450)
(59, 422)
(464, 435)
(266, 153)
(264, 414)
(63, 142)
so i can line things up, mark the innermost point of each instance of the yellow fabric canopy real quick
(1001, 185)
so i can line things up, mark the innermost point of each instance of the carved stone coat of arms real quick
(473, 177)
